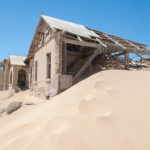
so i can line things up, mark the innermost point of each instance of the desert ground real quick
(108, 111)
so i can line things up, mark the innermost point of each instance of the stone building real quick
(13, 73)
(2, 66)
(63, 53)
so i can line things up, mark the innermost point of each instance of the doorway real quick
(22, 79)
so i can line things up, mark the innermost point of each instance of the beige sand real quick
(108, 111)
(4, 95)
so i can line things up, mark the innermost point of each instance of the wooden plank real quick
(126, 64)
(119, 54)
(136, 51)
(116, 42)
(81, 43)
(80, 39)
(132, 44)
(102, 43)
(147, 47)
(113, 47)
(64, 58)
(88, 62)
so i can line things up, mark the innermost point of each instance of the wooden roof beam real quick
(147, 47)
(79, 38)
(116, 42)
(102, 43)
(82, 43)
(132, 44)
(113, 47)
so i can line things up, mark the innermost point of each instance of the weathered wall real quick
(6, 84)
(44, 85)
(1, 80)
(41, 58)
(6, 75)
(11, 71)
(57, 82)
(31, 73)
(3, 76)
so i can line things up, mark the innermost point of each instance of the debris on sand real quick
(13, 106)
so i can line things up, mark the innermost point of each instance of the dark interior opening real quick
(22, 79)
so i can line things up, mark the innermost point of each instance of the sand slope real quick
(108, 111)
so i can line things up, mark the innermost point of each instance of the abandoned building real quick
(13, 73)
(63, 53)
(2, 66)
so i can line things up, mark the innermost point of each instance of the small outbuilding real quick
(13, 73)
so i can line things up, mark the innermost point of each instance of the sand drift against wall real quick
(108, 111)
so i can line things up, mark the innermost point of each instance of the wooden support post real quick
(126, 61)
(58, 50)
(115, 41)
(117, 62)
(64, 58)
(141, 61)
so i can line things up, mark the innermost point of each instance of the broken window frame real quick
(40, 40)
(47, 34)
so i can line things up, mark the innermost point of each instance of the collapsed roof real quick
(83, 34)
(70, 27)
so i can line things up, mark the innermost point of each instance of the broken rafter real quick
(136, 51)
(147, 47)
(139, 56)
(119, 54)
(113, 47)
(132, 44)
(110, 46)
(79, 38)
(101, 42)
(126, 63)
(113, 40)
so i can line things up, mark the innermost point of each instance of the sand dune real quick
(108, 111)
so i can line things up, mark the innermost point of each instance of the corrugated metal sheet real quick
(70, 27)
(17, 60)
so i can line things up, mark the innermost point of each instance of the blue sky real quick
(18, 19)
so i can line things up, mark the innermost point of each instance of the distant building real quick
(13, 73)
(2, 68)
(62, 53)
